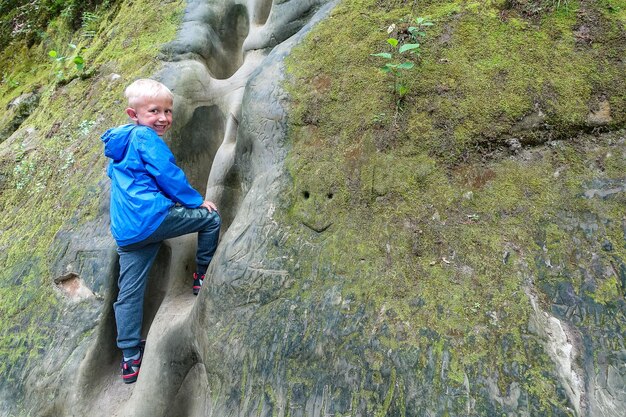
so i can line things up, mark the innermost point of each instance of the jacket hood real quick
(116, 141)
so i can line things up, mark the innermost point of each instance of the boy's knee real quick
(217, 219)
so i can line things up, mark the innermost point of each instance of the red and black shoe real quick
(130, 368)
(197, 282)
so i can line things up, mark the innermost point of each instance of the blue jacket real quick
(145, 182)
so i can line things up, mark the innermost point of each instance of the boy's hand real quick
(209, 206)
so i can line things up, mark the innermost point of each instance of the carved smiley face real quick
(320, 196)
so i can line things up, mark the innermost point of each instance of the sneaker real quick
(197, 282)
(130, 368)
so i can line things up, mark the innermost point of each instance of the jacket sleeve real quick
(171, 180)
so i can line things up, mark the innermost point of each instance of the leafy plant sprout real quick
(398, 60)
(77, 59)
(418, 30)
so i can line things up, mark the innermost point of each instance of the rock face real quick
(285, 325)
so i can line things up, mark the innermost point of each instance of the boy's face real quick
(155, 113)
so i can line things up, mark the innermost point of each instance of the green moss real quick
(608, 291)
(389, 397)
(615, 9)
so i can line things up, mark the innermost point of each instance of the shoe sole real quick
(129, 379)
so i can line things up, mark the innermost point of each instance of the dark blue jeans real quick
(137, 258)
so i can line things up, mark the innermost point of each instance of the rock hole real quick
(234, 31)
(330, 196)
(218, 45)
(197, 143)
(224, 56)
(73, 287)
(306, 195)
(261, 11)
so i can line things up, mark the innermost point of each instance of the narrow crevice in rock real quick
(197, 142)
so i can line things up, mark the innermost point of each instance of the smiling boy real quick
(151, 200)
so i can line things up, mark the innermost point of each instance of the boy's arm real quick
(160, 163)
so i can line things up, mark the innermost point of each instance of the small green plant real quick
(394, 67)
(403, 45)
(89, 26)
(10, 82)
(417, 31)
(77, 59)
(379, 119)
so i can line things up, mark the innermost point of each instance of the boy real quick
(151, 200)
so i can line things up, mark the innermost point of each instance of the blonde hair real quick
(146, 88)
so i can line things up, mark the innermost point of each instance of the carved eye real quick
(306, 195)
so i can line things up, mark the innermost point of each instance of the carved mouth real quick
(317, 227)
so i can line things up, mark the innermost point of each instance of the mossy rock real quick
(447, 193)
(458, 251)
